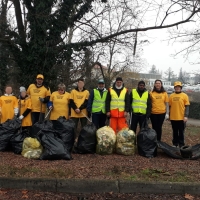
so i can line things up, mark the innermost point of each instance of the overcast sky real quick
(159, 53)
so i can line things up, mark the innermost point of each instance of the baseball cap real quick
(101, 81)
(177, 83)
(40, 76)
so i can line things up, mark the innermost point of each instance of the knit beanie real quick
(119, 79)
(22, 89)
(141, 82)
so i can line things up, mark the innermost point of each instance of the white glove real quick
(50, 107)
(16, 111)
(166, 116)
(21, 117)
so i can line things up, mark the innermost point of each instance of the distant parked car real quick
(170, 90)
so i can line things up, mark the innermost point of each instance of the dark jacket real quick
(91, 98)
(148, 110)
(118, 91)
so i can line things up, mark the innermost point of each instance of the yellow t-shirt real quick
(177, 103)
(60, 105)
(79, 97)
(159, 101)
(35, 93)
(23, 105)
(7, 105)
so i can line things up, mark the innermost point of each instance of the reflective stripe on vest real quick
(139, 104)
(117, 102)
(98, 104)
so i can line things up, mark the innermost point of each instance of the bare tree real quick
(38, 35)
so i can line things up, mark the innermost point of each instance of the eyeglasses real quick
(60, 89)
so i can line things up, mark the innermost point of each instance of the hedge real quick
(194, 110)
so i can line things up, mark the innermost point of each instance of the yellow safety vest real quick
(117, 102)
(98, 104)
(139, 104)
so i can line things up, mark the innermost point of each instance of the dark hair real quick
(161, 89)
(80, 79)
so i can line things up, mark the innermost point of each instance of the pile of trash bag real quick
(38, 126)
(7, 130)
(125, 144)
(17, 141)
(53, 147)
(31, 148)
(147, 141)
(106, 140)
(177, 153)
(87, 139)
(65, 131)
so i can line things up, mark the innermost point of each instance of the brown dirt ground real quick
(94, 166)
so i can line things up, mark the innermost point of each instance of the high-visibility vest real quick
(117, 102)
(139, 104)
(98, 104)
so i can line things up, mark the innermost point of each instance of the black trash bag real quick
(38, 126)
(54, 148)
(169, 150)
(65, 129)
(7, 130)
(176, 153)
(87, 139)
(17, 141)
(147, 141)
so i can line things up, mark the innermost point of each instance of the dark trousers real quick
(35, 117)
(137, 118)
(99, 119)
(157, 122)
(178, 127)
(83, 121)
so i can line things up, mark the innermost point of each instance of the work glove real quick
(166, 116)
(50, 107)
(16, 111)
(21, 117)
(41, 99)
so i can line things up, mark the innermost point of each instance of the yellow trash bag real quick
(31, 148)
(106, 140)
(125, 144)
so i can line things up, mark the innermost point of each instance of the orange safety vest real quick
(117, 103)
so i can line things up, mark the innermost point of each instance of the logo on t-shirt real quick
(176, 98)
(158, 97)
(79, 96)
(59, 97)
(8, 101)
(36, 90)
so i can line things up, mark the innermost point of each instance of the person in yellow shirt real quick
(8, 105)
(59, 103)
(159, 108)
(78, 103)
(179, 111)
(40, 95)
(25, 109)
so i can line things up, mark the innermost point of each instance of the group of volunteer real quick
(115, 103)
